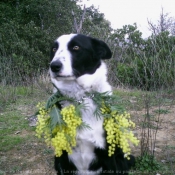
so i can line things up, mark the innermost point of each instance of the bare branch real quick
(82, 20)
(75, 21)
(79, 28)
(165, 23)
(42, 22)
(152, 27)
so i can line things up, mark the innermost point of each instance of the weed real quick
(15, 169)
(8, 142)
(148, 125)
(131, 99)
(170, 147)
(2, 172)
(161, 111)
(147, 163)
(47, 151)
(10, 94)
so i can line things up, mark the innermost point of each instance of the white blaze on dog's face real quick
(61, 61)
(75, 55)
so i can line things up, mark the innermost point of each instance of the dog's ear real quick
(101, 49)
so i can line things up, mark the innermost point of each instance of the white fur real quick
(87, 139)
(63, 55)
(86, 83)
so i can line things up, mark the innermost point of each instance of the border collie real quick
(77, 67)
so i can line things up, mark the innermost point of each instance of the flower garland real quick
(59, 127)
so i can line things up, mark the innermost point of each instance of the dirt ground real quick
(164, 120)
(34, 158)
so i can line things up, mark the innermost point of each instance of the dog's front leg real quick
(64, 166)
(108, 164)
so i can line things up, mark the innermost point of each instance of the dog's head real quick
(75, 55)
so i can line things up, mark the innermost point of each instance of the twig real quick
(77, 27)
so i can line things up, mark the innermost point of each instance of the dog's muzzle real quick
(56, 66)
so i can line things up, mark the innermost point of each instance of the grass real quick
(12, 122)
(161, 111)
(130, 98)
(18, 139)
(21, 151)
(134, 99)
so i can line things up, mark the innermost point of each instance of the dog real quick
(77, 67)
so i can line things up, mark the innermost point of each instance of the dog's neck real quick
(86, 83)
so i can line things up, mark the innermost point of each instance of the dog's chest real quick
(88, 139)
(82, 155)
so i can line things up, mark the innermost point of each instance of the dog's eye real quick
(76, 48)
(54, 49)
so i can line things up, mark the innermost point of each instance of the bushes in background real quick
(28, 28)
(26, 31)
(148, 64)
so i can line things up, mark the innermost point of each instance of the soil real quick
(162, 138)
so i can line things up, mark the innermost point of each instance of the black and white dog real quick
(77, 67)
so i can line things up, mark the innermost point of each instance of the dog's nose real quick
(56, 66)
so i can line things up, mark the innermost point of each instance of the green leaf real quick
(57, 97)
(83, 126)
(97, 113)
(55, 117)
(53, 99)
(80, 107)
(117, 108)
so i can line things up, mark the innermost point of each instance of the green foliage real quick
(161, 111)
(55, 117)
(29, 27)
(53, 99)
(147, 164)
(128, 41)
(26, 31)
(147, 64)
(135, 74)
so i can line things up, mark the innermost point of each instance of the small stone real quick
(17, 132)
(163, 161)
(157, 150)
